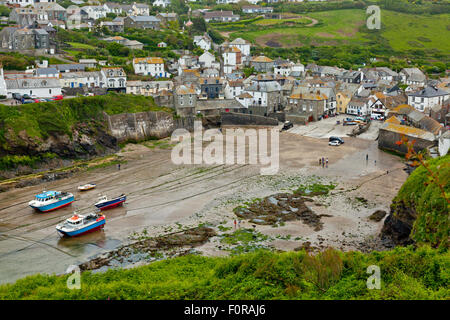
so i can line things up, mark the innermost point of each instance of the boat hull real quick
(111, 203)
(88, 229)
(55, 206)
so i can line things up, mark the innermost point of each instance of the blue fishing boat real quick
(105, 203)
(81, 224)
(51, 200)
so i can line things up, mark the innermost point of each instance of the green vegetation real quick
(406, 273)
(315, 189)
(433, 212)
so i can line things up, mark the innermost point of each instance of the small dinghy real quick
(80, 224)
(87, 187)
(104, 203)
(51, 200)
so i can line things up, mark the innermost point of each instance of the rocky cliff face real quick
(398, 224)
(97, 138)
(86, 140)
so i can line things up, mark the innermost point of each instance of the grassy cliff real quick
(25, 130)
(405, 274)
(420, 204)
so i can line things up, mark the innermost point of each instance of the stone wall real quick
(145, 125)
(387, 140)
(232, 118)
(296, 119)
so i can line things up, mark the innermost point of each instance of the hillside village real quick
(225, 77)
(122, 110)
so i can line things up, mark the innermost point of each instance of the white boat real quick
(87, 186)
(80, 224)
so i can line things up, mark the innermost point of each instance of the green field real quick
(401, 31)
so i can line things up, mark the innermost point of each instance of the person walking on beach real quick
(235, 223)
(327, 162)
(323, 162)
(118, 166)
(367, 157)
(375, 162)
(239, 224)
(320, 161)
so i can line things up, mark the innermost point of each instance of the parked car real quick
(17, 96)
(340, 140)
(40, 100)
(334, 143)
(287, 125)
(58, 97)
(25, 101)
(89, 94)
(26, 96)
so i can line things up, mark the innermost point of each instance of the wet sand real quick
(162, 195)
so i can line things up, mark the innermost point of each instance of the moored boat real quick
(105, 203)
(87, 186)
(51, 200)
(81, 224)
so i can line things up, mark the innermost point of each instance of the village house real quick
(39, 87)
(46, 72)
(185, 101)
(148, 88)
(380, 73)
(25, 17)
(266, 95)
(112, 7)
(151, 66)
(206, 60)
(309, 106)
(423, 100)
(211, 88)
(358, 106)
(344, 93)
(297, 70)
(162, 44)
(413, 76)
(221, 16)
(256, 9)
(231, 59)
(69, 67)
(142, 22)
(95, 12)
(15, 38)
(161, 3)
(23, 3)
(282, 67)
(351, 77)
(114, 79)
(80, 79)
(127, 9)
(243, 45)
(140, 9)
(54, 11)
(89, 63)
(210, 73)
(203, 42)
(166, 17)
(233, 89)
(262, 64)
(113, 26)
